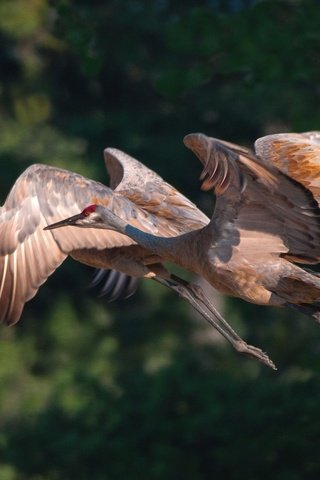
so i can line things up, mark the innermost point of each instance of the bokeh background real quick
(144, 389)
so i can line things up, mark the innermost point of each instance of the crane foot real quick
(242, 347)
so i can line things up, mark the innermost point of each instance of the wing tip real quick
(111, 151)
(192, 138)
(115, 285)
(216, 176)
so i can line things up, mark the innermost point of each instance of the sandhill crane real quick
(44, 194)
(264, 224)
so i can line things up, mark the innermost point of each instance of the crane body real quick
(265, 228)
(44, 194)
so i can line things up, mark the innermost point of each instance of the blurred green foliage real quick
(142, 389)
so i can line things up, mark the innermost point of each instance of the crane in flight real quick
(264, 229)
(44, 194)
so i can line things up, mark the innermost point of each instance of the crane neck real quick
(157, 245)
(181, 249)
(169, 248)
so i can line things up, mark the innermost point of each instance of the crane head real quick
(93, 216)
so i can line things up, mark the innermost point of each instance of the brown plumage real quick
(265, 223)
(296, 154)
(44, 194)
(259, 229)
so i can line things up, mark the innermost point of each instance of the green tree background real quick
(142, 389)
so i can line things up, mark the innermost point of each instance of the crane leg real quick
(197, 298)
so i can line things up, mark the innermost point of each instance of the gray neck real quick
(158, 245)
(179, 250)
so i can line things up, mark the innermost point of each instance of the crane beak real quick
(66, 222)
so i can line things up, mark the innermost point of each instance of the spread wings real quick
(259, 211)
(43, 195)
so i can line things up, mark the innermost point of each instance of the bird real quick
(265, 227)
(44, 194)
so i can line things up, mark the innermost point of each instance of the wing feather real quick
(296, 154)
(28, 255)
(170, 210)
(257, 199)
(43, 195)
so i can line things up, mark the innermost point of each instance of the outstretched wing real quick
(259, 211)
(28, 255)
(296, 154)
(43, 195)
(174, 213)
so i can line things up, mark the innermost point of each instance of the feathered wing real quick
(28, 255)
(171, 211)
(43, 195)
(296, 154)
(260, 211)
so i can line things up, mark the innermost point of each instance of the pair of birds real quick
(265, 223)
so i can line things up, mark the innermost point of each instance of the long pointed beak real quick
(64, 223)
